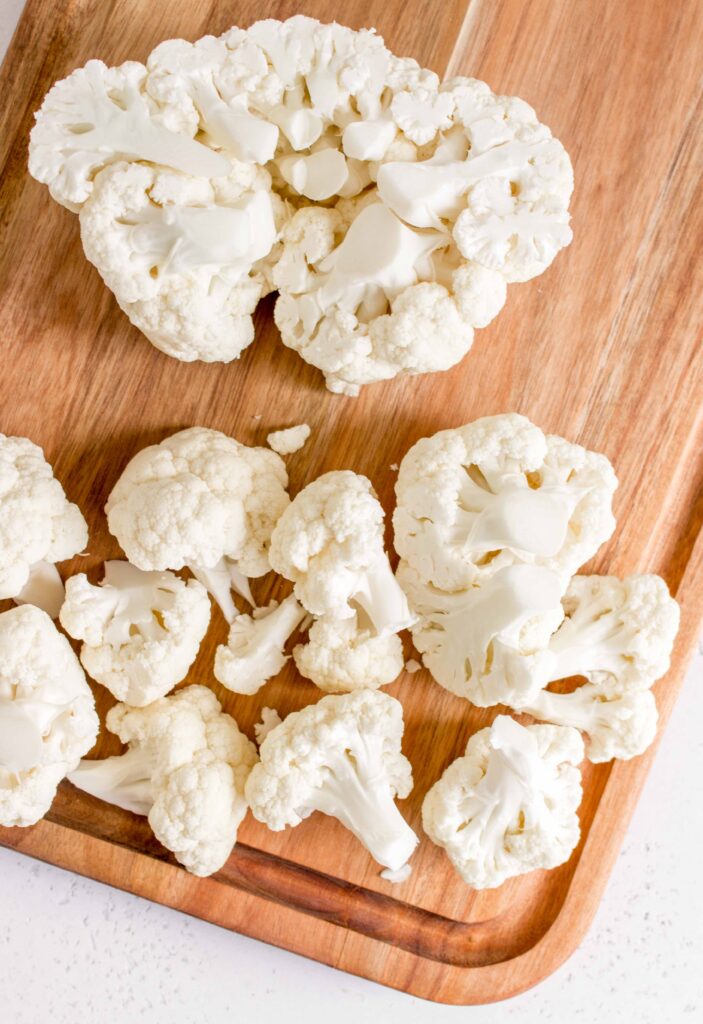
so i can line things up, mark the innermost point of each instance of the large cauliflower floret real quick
(38, 526)
(342, 757)
(254, 652)
(499, 492)
(329, 542)
(141, 631)
(487, 643)
(181, 253)
(99, 115)
(47, 714)
(509, 805)
(185, 768)
(203, 500)
(340, 657)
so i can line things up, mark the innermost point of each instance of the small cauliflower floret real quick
(47, 714)
(38, 526)
(487, 643)
(203, 500)
(496, 492)
(185, 769)
(187, 78)
(254, 653)
(339, 657)
(141, 631)
(617, 720)
(509, 805)
(270, 718)
(290, 440)
(342, 757)
(99, 115)
(329, 542)
(181, 254)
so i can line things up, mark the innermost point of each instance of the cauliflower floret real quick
(47, 714)
(509, 805)
(38, 526)
(487, 643)
(290, 440)
(270, 718)
(180, 254)
(342, 757)
(340, 657)
(141, 630)
(99, 115)
(497, 492)
(186, 768)
(253, 653)
(201, 499)
(329, 542)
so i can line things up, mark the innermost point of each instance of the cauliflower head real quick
(329, 543)
(185, 768)
(47, 714)
(342, 757)
(38, 526)
(340, 657)
(141, 631)
(509, 805)
(497, 492)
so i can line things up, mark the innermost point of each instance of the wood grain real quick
(605, 348)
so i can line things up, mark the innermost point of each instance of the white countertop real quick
(74, 951)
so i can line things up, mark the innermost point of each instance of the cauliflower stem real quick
(123, 780)
(382, 599)
(220, 580)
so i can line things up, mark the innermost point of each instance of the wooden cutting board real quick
(603, 349)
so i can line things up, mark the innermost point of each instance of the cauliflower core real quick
(509, 805)
(497, 492)
(410, 204)
(341, 757)
(38, 526)
(329, 542)
(203, 500)
(47, 714)
(185, 769)
(141, 631)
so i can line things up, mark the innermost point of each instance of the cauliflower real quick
(47, 714)
(497, 492)
(619, 635)
(329, 542)
(487, 643)
(185, 769)
(201, 499)
(509, 805)
(99, 115)
(254, 651)
(290, 440)
(341, 757)
(270, 718)
(180, 254)
(339, 656)
(141, 631)
(38, 526)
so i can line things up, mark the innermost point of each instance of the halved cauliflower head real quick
(38, 526)
(141, 631)
(186, 768)
(183, 254)
(47, 714)
(509, 805)
(201, 499)
(498, 492)
(342, 757)
(329, 542)
(340, 656)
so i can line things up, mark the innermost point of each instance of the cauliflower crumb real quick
(270, 718)
(412, 665)
(290, 440)
(393, 467)
(398, 876)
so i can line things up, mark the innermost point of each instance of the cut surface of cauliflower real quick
(38, 526)
(47, 714)
(141, 631)
(509, 805)
(254, 652)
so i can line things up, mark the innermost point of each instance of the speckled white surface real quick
(73, 951)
